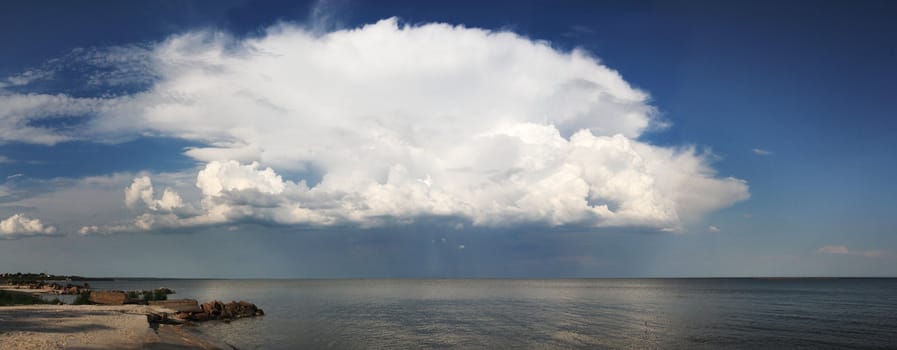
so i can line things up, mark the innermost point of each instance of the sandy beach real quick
(90, 327)
(26, 290)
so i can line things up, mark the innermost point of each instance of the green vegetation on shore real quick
(82, 299)
(19, 277)
(17, 298)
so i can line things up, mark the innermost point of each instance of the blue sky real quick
(582, 139)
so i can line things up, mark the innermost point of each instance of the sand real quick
(26, 290)
(90, 327)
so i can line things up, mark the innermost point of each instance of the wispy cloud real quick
(873, 253)
(25, 78)
(834, 249)
(761, 152)
(843, 250)
(713, 229)
(578, 30)
(13, 176)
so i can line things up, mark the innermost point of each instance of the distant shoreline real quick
(38, 277)
(113, 279)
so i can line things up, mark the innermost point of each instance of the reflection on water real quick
(603, 313)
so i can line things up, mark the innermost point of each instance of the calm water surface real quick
(582, 313)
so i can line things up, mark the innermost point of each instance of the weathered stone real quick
(163, 290)
(212, 308)
(162, 318)
(179, 305)
(230, 310)
(109, 298)
(154, 318)
(216, 310)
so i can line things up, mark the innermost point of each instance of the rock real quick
(216, 310)
(162, 318)
(109, 298)
(230, 310)
(163, 290)
(212, 308)
(154, 318)
(180, 305)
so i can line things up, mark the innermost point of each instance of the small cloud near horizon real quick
(833, 249)
(873, 253)
(761, 152)
(843, 250)
(19, 225)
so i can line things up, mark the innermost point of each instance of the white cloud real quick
(25, 78)
(19, 225)
(170, 200)
(842, 250)
(713, 229)
(96, 200)
(18, 111)
(86, 230)
(234, 192)
(399, 122)
(218, 178)
(761, 152)
(140, 192)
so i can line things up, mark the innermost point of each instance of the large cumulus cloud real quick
(387, 123)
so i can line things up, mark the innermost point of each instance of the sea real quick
(717, 313)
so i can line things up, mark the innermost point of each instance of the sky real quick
(346, 139)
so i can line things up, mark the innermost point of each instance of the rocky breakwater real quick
(191, 310)
(216, 310)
